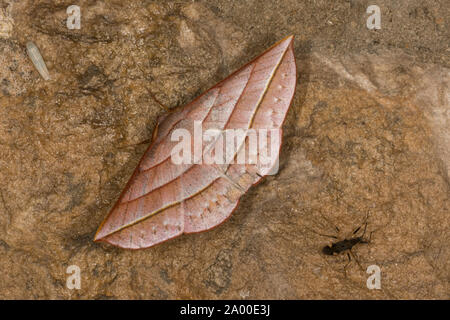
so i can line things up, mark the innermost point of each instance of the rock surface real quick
(368, 134)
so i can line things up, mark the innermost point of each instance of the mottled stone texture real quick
(368, 133)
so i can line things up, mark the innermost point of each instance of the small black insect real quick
(346, 245)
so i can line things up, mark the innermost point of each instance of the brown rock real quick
(368, 132)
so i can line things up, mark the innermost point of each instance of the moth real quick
(166, 197)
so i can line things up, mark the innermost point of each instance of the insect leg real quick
(356, 230)
(356, 259)
(368, 240)
(345, 267)
(330, 223)
(359, 228)
(322, 234)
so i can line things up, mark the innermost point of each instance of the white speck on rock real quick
(187, 36)
(6, 22)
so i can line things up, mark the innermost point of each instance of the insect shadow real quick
(346, 245)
